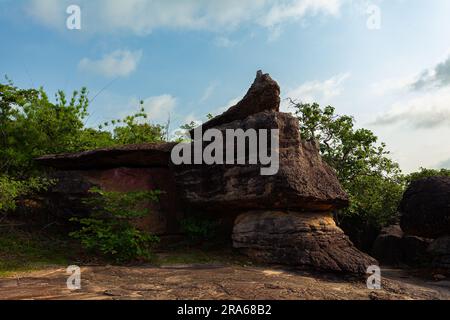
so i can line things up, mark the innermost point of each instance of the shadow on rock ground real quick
(214, 282)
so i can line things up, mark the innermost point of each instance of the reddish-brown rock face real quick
(164, 215)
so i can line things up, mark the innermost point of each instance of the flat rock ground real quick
(215, 282)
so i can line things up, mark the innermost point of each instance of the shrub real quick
(425, 173)
(32, 125)
(109, 229)
(198, 229)
(11, 190)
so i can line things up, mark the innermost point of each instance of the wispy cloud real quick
(224, 42)
(416, 107)
(208, 92)
(316, 91)
(144, 16)
(444, 164)
(119, 63)
(283, 11)
(438, 76)
(424, 111)
(393, 85)
(158, 108)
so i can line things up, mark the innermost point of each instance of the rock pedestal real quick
(298, 239)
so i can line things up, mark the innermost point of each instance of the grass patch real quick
(22, 251)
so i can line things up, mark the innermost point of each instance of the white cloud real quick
(316, 91)
(50, 13)
(119, 63)
(433, 78)
(392, 85)
(160, 108)
(228, 105)
(224, 42)
(293, 10)
(423, 111)
(444, 164)
(208, 92)
(143, 16)
(438, 76)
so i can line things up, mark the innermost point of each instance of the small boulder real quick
(425, 208)
(415, 250)
(439, 249)
(388, 247)
(393, 247)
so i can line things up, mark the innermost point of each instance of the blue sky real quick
(188, 58)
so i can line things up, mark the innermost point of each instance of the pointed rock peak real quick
(263, 95)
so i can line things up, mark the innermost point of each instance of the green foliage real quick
(374, 199)
(132, 129)
(352, 152)
(425, 173)
(109, 229)
(374, 182)
(198, 229)
(11, 190)
(31, 126)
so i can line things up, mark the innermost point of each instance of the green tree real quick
(31, 125)
(373, 181)
(425, 173)
(109, 229)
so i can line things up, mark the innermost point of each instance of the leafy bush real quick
(133, 129)
(374, 182)
(198, 229)
(109, 229)
(425, 173)
(11, 190)
(31, 125)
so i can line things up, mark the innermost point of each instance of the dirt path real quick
(212, 282)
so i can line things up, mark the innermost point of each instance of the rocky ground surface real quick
(216, 282)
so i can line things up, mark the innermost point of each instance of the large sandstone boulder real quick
(299, 239)
(425, 208)
(303, 181)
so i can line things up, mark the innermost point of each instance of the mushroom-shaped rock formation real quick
(283, 218)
